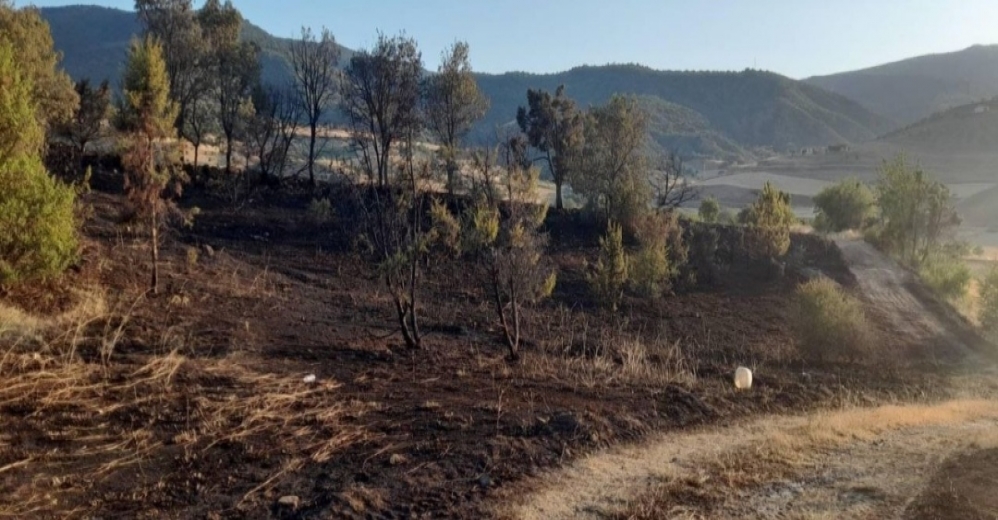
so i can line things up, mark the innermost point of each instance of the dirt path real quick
(864, 463)
(854, 463)
(893, 295)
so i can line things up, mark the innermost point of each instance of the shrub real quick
(446, 230)
(320, 210)
(709, 210)
(609, 275)
(37, 220)
(988, 310)
(769, 219)
(704, 265)
(846, 205)
(661, 255)
(727, 217)
(827, 322)
(946, 274)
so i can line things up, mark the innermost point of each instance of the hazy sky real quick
(797, 38)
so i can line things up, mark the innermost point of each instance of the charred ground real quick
(191, 403)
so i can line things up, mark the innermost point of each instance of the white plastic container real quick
(743, 378)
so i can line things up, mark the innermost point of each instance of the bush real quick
(828, 323)
(661, 255)
(846, 205)
(445, 230)
(947, 275)
(709, 210)
(988, 310)
(769, 219)
(609, 275)
(320, 211)
(37, 222)
(704, 265)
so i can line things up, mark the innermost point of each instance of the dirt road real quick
(913, 315)
(853, 463)
(848, 464)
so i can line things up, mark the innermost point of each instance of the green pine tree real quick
(37, 222)
(147, 114)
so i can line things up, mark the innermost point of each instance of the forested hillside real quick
(724, 114)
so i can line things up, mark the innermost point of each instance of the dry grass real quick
(61, 382)
(608, 357)
(772, 453)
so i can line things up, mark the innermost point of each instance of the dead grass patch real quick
(771, 454)
(71, 420)
(614, 358)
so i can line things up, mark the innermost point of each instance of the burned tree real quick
(272, 128)
(381, 98)
(453, 103)
(670, 183)
(313, 63)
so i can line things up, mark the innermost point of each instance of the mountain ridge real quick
(911, 89)
(735, 112)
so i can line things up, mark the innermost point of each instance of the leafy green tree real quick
(709, 210)
(381, 97)
(916, 211)
(147, 114)
(611, 169)
(609, 276)
(769, 219)
(28, 35)
(555, 128)
(175, 24)
(453, 103)
(37, 220)
(313, 63)
(848, 204)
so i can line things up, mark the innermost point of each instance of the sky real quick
(797, 38)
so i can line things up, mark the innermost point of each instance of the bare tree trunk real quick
(311, 155)
(228, 155)
(451, 175)
(196, 148)
(155, 252)
(558, 204)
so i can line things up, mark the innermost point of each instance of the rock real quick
(397, 459)
(210, 251)
(309, 379)
(743, 378)
(484, 481)
(289, 502)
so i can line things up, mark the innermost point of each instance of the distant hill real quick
(909, 90)
(971, 128)
(750, 108)
(714, 114)
(94, 42)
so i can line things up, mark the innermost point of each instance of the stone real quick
(289, 502)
